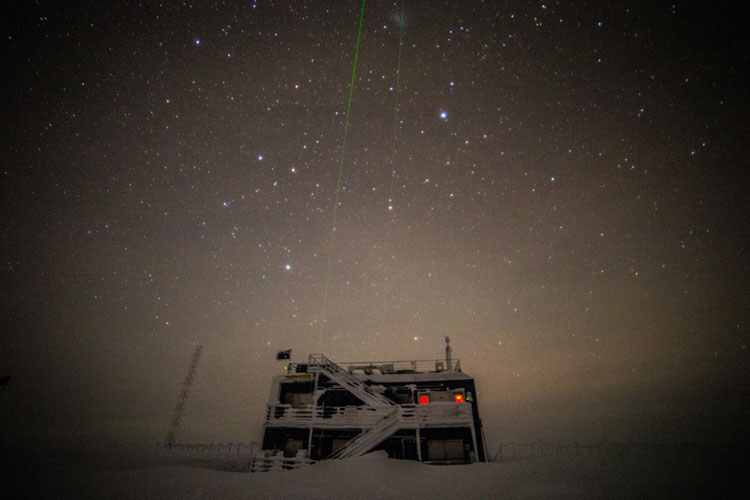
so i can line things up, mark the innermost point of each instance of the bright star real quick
(443, 115)
(288, 267)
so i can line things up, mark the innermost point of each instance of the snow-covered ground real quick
(145, 475)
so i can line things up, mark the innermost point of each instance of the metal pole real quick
(448, 351)
(312, 416)
(474, 441)
(419, 446)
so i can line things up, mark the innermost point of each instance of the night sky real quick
(557, 187)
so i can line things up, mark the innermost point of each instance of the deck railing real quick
(440, 413)
(277, 462)
(362, 417)
(383, 367)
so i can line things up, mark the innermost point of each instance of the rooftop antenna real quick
(180, 408)
(448, 352)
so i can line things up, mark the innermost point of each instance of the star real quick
(186, 203)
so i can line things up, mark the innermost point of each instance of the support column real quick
(419, 446)
(474, 442)
(312, 416)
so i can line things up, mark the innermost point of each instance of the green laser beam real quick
(348, 112)
(398, 92)
(341, 175)
(394, 136)
(398, 66)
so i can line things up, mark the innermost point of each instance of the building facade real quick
(414, 410)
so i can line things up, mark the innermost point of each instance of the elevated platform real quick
(438, 414)
(404, 367)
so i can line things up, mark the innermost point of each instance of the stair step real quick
(371, 438)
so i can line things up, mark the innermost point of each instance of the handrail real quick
(373, 436)
(384, 367)
(264, 463)
(412, 415)
(347, 381)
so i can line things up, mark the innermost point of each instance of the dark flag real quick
(284, 354)
(4, 381)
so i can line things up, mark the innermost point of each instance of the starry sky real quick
(557, 187)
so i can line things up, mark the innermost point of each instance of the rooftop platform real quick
(422, 366)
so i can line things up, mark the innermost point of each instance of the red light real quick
(459, 398)
(423, 400)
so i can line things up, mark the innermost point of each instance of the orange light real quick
(423, 400)
(459, 398)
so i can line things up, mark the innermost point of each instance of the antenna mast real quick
(180, 408)
(448, 352)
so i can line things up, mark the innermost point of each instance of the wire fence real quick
(222, 449)
(518, 451)
(505, 451)
(234, 457)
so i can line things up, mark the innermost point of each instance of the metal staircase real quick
(372, 437)
(382, 429)
(321, 364)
